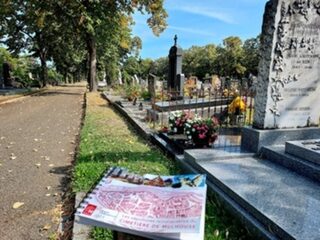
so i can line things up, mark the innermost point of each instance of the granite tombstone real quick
(175, 67)
(289, 71)
(288, 85)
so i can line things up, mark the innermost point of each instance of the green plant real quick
(145, 95)
(132, 92)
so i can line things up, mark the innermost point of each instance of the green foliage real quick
(251, 55)
(145, 95)
(232, 59)
(77, 34)
(101, 233)
(132, 91)
(200, 61)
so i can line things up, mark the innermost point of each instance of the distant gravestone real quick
(151, 85)
(288, 87)
(175, 67)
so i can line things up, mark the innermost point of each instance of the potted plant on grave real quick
(202, 132)
(177, 120)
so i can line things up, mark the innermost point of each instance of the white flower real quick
(189, 137)
(175, 129)
(188, 132)
(193, 130)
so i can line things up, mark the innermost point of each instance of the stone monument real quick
(288, 86)
(290, 66)
(175, 67)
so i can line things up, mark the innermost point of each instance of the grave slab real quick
(307, 149)
(285, 203)
(254, 139)
(277, 155)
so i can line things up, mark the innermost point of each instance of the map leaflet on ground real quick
(168, 207)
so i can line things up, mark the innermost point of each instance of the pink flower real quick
(202, 135)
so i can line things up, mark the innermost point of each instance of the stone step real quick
(286, 204)
(308, 150)
(303, 167)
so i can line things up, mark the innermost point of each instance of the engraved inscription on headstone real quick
(288, 91)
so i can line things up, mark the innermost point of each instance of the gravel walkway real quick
(37, 143)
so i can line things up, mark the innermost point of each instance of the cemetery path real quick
(37, 143)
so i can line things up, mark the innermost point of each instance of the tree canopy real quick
(80, 37)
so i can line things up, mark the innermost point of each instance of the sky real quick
(200, 22)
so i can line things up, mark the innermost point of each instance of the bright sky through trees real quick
(200, 23)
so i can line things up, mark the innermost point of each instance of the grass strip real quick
(107, 140)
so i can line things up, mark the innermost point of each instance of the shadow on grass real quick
(56, 93)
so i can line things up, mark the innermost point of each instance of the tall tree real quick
(95, 19)
(230, 58)
(251, 55)
(31, 26)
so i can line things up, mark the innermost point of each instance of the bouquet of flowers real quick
(203, 132)
(177, 119)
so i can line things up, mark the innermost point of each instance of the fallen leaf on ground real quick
(35, 150)
(71, 153)
(51, 165)
(46, 158)
(12, 157)
(62, 150)
(46, 227)
(10, 171)
(36, 139)
(38, 165)
(3, 138)
(17, 205)
(48, 187)
(48, 195)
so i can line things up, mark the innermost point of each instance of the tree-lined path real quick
(37, 143)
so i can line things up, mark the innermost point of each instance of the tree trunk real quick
(44, 70)
(92, 50)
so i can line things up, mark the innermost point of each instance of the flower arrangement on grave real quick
(177, 119)
(236, 110)
(237, 106)
(202, 132)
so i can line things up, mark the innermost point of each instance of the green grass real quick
(106, 140)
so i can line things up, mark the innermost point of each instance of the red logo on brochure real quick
(89, 209)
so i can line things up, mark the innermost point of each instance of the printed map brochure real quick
(160, 207)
